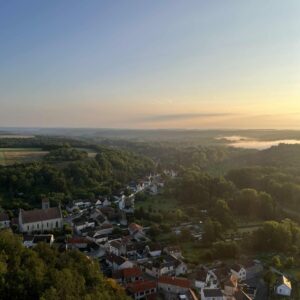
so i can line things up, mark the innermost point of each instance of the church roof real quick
(38, 215)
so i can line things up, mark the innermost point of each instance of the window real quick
(56, 224)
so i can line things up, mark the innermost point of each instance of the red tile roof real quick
(132, 272)
(135, 227)
(140, 286)
(182, 282)
(77, 240)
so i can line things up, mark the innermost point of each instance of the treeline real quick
(65, 153)
(178, 155)
(23, 185)
(44, 142)
(44, 273)
(282, 184)
(273, 237)
(219, 194)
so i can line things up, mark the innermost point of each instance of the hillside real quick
(47, 274)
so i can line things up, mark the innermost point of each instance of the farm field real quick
(10, 156)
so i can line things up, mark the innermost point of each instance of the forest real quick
(66, 173)
(45, 273)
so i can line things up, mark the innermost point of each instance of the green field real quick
(157, 203)
(10, 156)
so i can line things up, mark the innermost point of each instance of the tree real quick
(45, 273)
(276, 262)
(223, 214)
(212, 230)
(225, 250)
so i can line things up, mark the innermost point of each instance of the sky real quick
(150, 64)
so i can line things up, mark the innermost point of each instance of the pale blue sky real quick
(143, 63)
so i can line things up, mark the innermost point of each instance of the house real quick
(105, 229)
(109, 212)
(174, 251)
(94, 250)
(126, 203)
(78, 205)
(123, 246)
(77, 243)
(153, 250)
(283, 287)
(106, 202)
(82, 223)
(159, 268)
(4, 220)
(212, 294)
(241, 295)
(136, 231)
(95, 237)
(82, 204)
(118, 262)
(98, 203)
(221, 274)
(166, 265)
(253, 268)
(180, 267)
(42, 220)
(142, 289)
(30, 241)
(174, 285)
(239, 272)
(95, 213)
(201, 278)
(128, 275)
(231, 286)
(117, 247)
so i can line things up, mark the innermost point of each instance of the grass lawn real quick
(157, 203)
(13, 155)
(193, 252)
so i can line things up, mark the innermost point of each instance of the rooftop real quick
(38, 215)
(181, 282)
(140, 286)
(3, 217)
(212, 293)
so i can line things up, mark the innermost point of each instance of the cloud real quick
(185, 116)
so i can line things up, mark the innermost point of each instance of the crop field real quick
(10, 156)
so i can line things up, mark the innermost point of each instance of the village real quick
(105, 229)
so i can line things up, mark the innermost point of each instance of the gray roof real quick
(212, 293)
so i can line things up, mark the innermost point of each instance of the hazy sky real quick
(150, 64)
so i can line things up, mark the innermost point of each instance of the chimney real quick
(45, 203)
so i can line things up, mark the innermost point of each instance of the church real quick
(40, 220)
